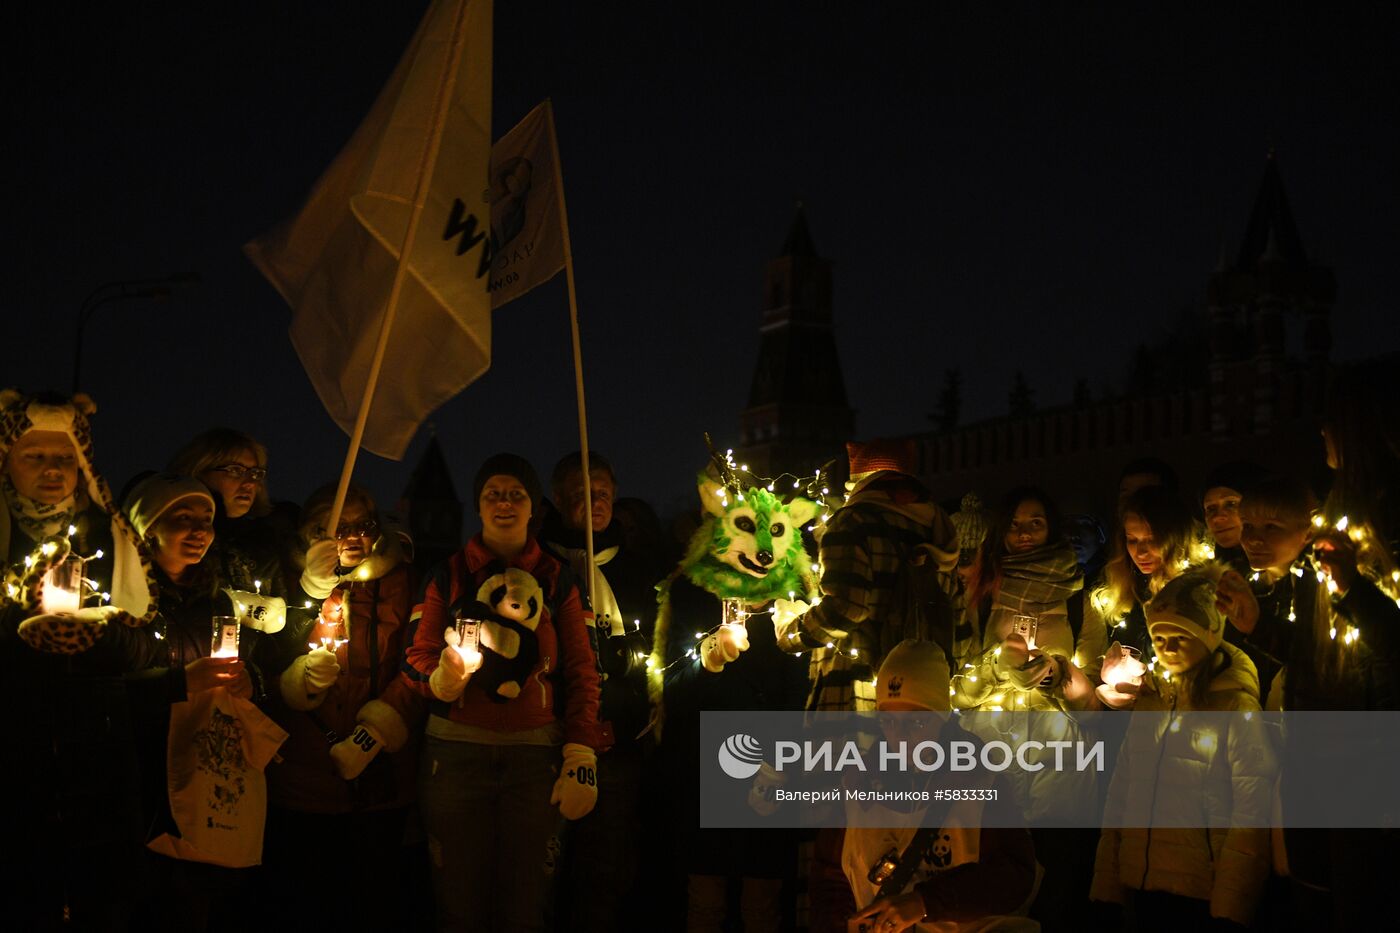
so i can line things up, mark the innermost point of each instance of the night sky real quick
(1033, 186)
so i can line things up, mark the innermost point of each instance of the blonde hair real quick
(216, 447)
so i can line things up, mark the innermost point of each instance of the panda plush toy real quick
(509, 606)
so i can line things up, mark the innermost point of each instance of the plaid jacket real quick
(861, 553)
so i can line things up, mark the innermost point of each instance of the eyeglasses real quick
(356, 529)
(239, 471)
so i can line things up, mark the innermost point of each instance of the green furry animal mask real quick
(749, 545)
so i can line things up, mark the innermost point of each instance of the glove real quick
(576, 791)
(450, 678)
(725, 645)
(321, 670)
(786, 612)
(322, 560)
(762, 799)
(352, 755)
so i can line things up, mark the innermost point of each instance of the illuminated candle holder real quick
(1027, 627)
(468, 639)
(225, 640)
(63, 587)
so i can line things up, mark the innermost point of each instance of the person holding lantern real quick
(198, 888)
(502, 653)
(70, 770)
(1182, 877)
(1039, 648)
(347, 773)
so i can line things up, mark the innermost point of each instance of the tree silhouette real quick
(1021, 400)
(949, 411)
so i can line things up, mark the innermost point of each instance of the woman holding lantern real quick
(1041, 643)
(502, 653)
(353, 724)
(202, 742)
(69, 736)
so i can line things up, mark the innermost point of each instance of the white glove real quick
(322, 669)
(785, 613)
(352, 755)
(576, 790)
(322, 559)
(723, 646)
(450, 678)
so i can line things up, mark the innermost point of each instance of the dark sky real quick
(1031, 186)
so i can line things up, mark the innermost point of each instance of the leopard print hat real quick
(133, 583)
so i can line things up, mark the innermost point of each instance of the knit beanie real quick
(153, 496)
(1187, 604)
(868, 457)
(914, 672)
(508, 465)
(970, 520)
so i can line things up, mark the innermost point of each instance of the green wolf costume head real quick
(748, 547)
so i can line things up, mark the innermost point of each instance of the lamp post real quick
(112, 292)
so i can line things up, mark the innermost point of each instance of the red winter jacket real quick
(305, 779)
(563, 685)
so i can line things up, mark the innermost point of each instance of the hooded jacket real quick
(1181, 773)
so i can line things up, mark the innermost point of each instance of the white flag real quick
(334, 262)
(527, 237)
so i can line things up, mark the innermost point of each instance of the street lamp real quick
(112, 292)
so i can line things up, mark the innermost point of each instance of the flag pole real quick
(578, 351)
(441, 105)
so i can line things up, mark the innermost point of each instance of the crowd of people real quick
(480, 743)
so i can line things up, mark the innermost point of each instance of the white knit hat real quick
(914, 672)
(153, 496)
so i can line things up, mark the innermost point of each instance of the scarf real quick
(38, 520)
(1038, 580)
(569, 544)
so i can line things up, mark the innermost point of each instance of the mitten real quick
(450, 678)
(306, 679)
(723, 646)
(378, 726)
(322, 669)
(69, 633)
(352, 755)
(576, 791)
(322, 560)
